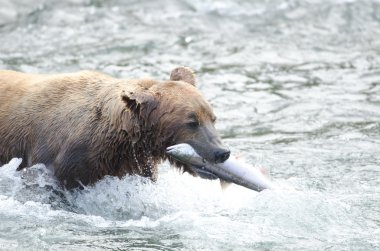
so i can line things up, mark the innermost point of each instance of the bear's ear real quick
(140, 103)
(184, 74)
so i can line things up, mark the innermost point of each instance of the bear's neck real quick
(125, 157)
(126, 154)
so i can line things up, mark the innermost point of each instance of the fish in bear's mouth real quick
(232, 170)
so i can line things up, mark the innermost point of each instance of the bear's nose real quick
(222, 155)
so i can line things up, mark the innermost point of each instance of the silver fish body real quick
(232, 170)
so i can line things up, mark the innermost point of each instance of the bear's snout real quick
(221, 155)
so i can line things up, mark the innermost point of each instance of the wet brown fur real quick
(86, 125)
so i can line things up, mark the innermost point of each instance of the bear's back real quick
(52, 108)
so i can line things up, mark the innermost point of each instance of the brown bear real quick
(86, 125)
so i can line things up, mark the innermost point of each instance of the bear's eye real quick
(193, 124)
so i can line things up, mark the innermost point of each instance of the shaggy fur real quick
(86, 125)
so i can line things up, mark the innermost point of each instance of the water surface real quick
(295, 86)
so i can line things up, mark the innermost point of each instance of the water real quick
(295, 86)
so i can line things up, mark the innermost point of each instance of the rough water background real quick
(295, 86)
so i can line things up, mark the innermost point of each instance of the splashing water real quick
(177, 211)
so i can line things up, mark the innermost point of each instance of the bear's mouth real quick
(202, 172)
(194, 164)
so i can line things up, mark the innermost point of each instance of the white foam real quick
(192, 206)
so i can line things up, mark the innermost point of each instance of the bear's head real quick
(165, 113)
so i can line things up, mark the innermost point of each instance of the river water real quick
(295, 86)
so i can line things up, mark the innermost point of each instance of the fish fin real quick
(224, 184)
